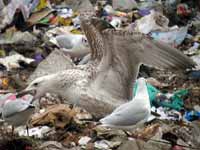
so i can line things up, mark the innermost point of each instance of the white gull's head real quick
(57, 83)
(41, 85)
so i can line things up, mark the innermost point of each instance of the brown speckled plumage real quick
(106, 81)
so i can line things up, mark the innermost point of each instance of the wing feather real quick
(147, 50)
(120, 54)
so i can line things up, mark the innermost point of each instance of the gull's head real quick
(86, 15)
(141, 81)
(40, 86)
(85, 21)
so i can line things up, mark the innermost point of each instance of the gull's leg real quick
(12, 131)
(127, 133)
(27, 130)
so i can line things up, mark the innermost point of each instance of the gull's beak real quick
(26, 91)
(31, 106)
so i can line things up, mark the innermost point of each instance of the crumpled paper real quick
(12, 62)
(26, 6)
(155, 21)
(18, 38)
(124, 4)
(60, 116)
(173, 37)
(56, 115)
(37, 132)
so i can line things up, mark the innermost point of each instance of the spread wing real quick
(121, 52)
(55, 62)
(142, 48)
(130, 49)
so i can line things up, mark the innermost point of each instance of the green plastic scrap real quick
(44, 21)
(175, 101)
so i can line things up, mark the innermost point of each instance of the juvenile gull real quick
(106, 81)
(133, 113)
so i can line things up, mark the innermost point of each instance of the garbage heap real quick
(39, 37)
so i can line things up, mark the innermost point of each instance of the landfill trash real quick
(194, 74)
(38, 16)
(38, 57)
(195, 91)
(2, 53)
(156, 83)
(76, 22)
(116, 22)
(155, 21)
(147, 132)
(195, 132)
(47, 100)
(104, 144)
(192, 115)
(84, 140)
(80, 5)
(193, 50)
(64, 16)
(81, 115)
(18, 38)
(37, 132)
(13, 61)
(4, 83)
(1, 4)
(63, 30)
(51, 145)
(109, 132)
(127, 116)
(176, 147)
(171, 5)
(41, 4)
(124, 4)
(166, 114)
(109, 11)
(176, 111)
(9, 10)
(173, 37)
(60, 116)
(183, 10)
(197, 108)
(140, 144)
(190, 136)
(172, 138)
(173, 101)
(18, 143)
(57, 115)
(196, 59)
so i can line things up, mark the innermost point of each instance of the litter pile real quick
(42, 37)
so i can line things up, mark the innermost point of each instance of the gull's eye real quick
(84, 40)
(35, 84)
